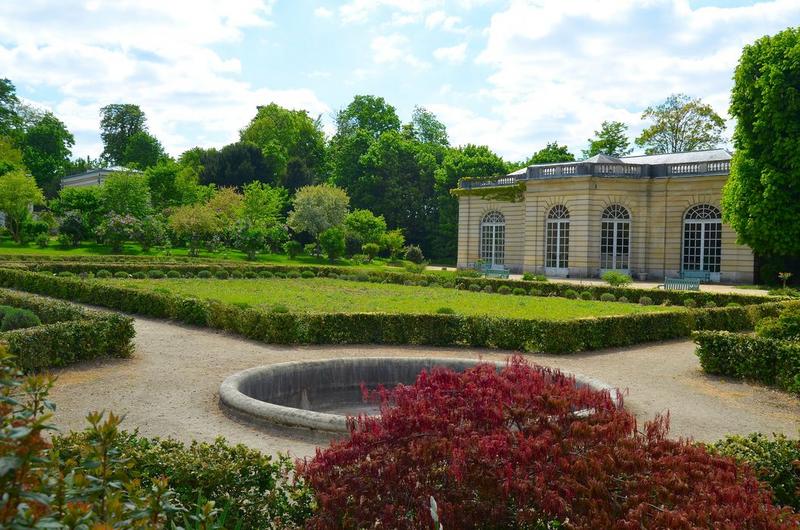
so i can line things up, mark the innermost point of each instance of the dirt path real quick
(169, 388)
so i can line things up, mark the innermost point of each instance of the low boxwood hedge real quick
(380, 328)
(68, 334)
(766, 360)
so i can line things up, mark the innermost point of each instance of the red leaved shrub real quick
(506, 449)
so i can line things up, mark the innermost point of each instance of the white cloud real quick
(323, 12)
(154, 53)
(360, 10)
(395, 48)
(561, 67)
(440, 19)
(453, 54)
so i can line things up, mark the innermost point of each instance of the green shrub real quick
(121, 275)
(422, 283)
(66, 274)
(488, 289)
(785, 327)
(571, 294)
(608, 297)
(733, 304)
(293, 275)
(139, 275)
(445, 311)
(710, 304)
(645, 300)
(156, 274)
(616, 279)
(361, 277)
(519, 291)
(785, 291)
(293, 248)
(221, 274)
(503, 289)
(173, 274)
(776, 461)
(237, 274)
(19, 319)
(279, 308)
(103, 273)
(204, 274)
(333, 275)
(307, 274)
(468, 273)
(414, 268)
(250, 275)
(586, 295)
(668, 302)
(280, 275)
(690, 303)
(622, 299)
(767, 360)
(536, 292)
(265, 274)
(42, 240)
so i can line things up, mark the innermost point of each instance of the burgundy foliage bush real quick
(505, 449)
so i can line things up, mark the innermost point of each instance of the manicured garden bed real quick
(68, 333)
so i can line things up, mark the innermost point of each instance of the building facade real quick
(651, 216)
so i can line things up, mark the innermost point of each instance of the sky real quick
(512, 75)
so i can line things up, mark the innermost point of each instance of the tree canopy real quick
(118, 123)
(318, 208)
(47, 146)
(370, 114)
(761, 199)
(681, 124)
(234, 165)
(18, 192)
(143, 150)
(552, 153)
(611, 140)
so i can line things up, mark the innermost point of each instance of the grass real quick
(325, 295)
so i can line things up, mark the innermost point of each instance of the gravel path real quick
(169, 388)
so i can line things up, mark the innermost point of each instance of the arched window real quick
(615, 238)
(702, 239)
(556, 260)
(493, 238)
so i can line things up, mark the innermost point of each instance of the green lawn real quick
(327, 295)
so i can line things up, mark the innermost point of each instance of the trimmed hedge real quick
(380, 328)
(68, 333)
(762, 359)
(657, 296)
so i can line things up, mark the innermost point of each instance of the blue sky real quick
(509, 74)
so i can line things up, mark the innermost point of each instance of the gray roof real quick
(708, 155)
(101, 171)
(604, 159)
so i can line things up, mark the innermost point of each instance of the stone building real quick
(93, 177)
(650, 216)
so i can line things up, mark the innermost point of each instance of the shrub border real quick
(530, 335)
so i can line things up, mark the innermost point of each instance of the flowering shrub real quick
(512, 449)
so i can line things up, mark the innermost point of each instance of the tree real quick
(371, 114)
(46, 148)
(18, 192)
(364, 226)
(234, 165)
(611, 140)
(393, 241)
(72, 227)
(332, 242)
(681, 124)
(263, 205)
(287, 138)
(127, 194)
(9, 119)
(551, 154)
(467, 161)
(427, 129)
(116, 229)
(761, 199)
(118, 123)
(86, 200)
(227, 205)
(317, 208)
(143, 150)
(161, 179)
(194, 224)
(10, 156)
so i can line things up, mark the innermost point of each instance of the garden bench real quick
(681, 284)
(494, 270)
(700, 276)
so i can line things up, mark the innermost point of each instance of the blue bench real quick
(681, 284)
(700, 276)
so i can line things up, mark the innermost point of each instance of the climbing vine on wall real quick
(506, 193)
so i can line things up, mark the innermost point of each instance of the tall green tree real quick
(143, 150)
(18, 193)
(466, 161)
(118, 123)
(681, 124)
(426, 128)
(10, 156)
(162, 181)
(127, 194)
(234, 165)
(292, 143)
(9, 118)
(46, 149)
(552, 153)
(611, 139)
(371, 114)
(262, 204)
(761, 199)
(86, 200)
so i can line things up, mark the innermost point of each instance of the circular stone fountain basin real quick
(320, 395)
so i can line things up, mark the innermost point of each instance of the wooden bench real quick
(681, 284)
(494, 270)
(701, 276)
